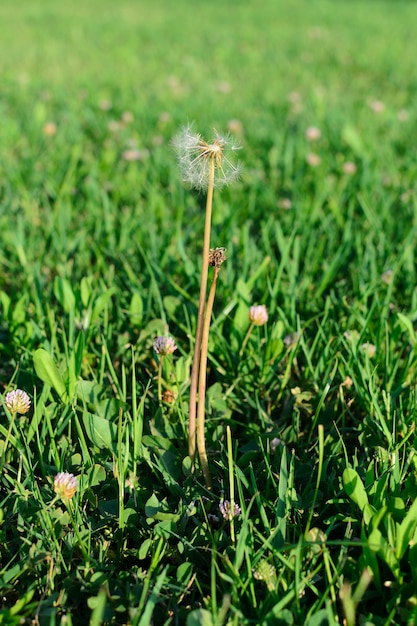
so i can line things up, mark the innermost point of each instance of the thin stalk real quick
(246, 339)
(75, 525)
(6, 443)
(120, 470)
(200, 317)
(319, 473)
(160, 378)
(201, 440)
(231, 481)
(156, 559)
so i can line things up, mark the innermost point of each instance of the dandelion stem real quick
(201, 440)
(200, 316)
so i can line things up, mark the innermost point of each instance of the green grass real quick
(100, 254)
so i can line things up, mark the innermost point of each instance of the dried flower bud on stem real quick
(217, 254)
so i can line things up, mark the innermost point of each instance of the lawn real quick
(305, 511)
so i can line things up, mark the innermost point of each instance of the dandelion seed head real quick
(65, 485)
(164, 344)
(17, 401)
(196, 156)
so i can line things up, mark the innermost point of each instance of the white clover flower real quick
(65, 485)
(227, 511)
(258, 315)
(313, 133)
(17, 401)
(377, 106)
(275, 443)
(291, 339)
(369, 349)
(285, 203)
(313, 159)
(349, 167)
(133, 154)
(49, 129)
(387, 276)
(196, 156)
(164, 345)
(403, 115)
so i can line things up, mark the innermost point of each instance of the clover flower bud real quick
(266, 572)
(258, 315)
(213, 520)
(65, 485)
(169, 396)
(17, 401)
(227, 511)
(164, 345)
